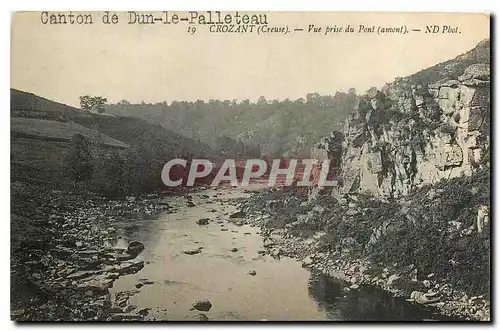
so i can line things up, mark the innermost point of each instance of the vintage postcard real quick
(250, 166)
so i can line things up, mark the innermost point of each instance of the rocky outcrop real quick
(407, 135)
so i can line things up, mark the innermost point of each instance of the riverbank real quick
(64, 257)
(342, 241)
(84, 257)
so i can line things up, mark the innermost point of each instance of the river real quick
(280, 290)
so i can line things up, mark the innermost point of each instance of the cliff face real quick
(417, 131)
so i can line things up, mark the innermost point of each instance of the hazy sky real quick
(163, 62)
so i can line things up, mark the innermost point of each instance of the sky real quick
(155, 63)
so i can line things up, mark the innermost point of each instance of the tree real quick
(79, 162)
(262, 101)
(109, 175)
(89, 103)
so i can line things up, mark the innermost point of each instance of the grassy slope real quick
(58, 131)
(133, 131)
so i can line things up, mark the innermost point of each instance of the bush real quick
(78, 163)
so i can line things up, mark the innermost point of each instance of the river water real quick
(280, 290)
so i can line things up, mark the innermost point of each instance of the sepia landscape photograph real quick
(250, 166)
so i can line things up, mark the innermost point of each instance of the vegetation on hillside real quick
(132, 170)
(434, 229)
(79, 162)
(248, 128)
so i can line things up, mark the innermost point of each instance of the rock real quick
(252, 272)
(130, 267)
(192, 251)
(124, 257)
(146, 281)
(202, 221)
(144, 311)
(479, 71)
(482, 218)
(98, 286)
(80, 274)
(422, 298)
(275, 252)
(139, 285)
(437, 304)
(354, 286)
(202, 305)
(307, 261)
(413, 275)
(268, 242)
(238, 214)
(234, 249)
(190, 204)
(134, 248)
(392, 279)
(223, 229)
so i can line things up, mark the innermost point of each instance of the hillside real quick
(249, 128)
(41, 133)
(132, 131)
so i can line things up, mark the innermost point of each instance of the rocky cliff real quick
(420, 129)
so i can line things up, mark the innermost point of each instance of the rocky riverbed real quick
(64, 257)
(282, 239)
(200, 257)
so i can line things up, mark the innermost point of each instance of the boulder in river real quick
(192, 251)
(424, 298)
(143, 311)
(392, 279)
(202, 221)
(130, 267)
(124, 256)
(202, 305)
(134, 248)
(307, 261)
(238, 214)
(234, 249)
(252, 272)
